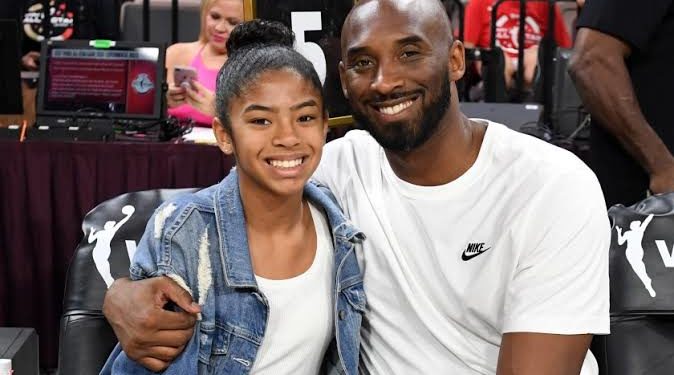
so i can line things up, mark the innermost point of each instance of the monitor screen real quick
(89, 79)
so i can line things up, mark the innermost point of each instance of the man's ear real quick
(223, 137)
(457, 61)
(342, 79)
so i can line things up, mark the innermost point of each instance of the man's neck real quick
(447, 155)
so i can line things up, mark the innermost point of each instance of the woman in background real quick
(206, 55)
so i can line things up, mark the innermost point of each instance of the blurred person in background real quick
(477, 33)
(622, 67)
(68, 19)
(207, 55)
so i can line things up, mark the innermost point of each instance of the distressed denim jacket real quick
(200, 241)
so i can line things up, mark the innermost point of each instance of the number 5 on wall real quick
(309, 21)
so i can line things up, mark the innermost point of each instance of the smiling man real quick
(487, 249)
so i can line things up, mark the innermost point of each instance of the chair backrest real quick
(493, 63)
(189, 22)
(567, 113)
(111, 232)
(641, 271)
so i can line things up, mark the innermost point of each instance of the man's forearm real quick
(606, 89)
(525, 353)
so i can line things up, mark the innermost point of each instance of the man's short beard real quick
(405, 136)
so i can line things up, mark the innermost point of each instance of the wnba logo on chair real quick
(103, 239)
(634, 251)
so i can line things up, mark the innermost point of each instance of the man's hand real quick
(30, 61)
(662, 180)
(150, 335)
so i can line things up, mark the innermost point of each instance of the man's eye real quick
(407, 54)
(362, 63)
(306, 118)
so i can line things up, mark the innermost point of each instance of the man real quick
(487, 249)
(622, 68)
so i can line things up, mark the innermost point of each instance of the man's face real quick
(395, 74)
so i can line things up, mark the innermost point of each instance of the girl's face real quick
(219, 21)
(278, 132)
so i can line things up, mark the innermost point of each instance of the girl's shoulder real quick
(321, 195)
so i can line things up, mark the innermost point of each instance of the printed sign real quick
(317, 25)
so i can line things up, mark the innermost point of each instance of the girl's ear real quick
(223, 137)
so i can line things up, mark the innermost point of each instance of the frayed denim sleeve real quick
(152, 257)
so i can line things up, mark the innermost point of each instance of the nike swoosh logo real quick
(468, 256)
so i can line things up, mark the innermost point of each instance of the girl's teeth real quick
(285, 163)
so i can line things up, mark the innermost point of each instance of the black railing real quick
(547, 51)
(174, 21)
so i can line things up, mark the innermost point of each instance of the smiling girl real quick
(267, 255)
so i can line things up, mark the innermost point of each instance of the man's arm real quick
(599, 72)
(148, 334)
(559, 294)
(524, 353)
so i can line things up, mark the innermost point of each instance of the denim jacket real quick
(200, 241)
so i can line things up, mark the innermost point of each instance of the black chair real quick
(493, 64)
(113, 227)
(642, 290)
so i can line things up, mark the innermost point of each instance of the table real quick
(48, 187)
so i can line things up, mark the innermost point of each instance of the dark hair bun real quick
(258, 33)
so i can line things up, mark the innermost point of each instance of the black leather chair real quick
(113, 227)
(642, 311)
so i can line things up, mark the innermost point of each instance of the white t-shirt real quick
(518, 243)
(300, 324)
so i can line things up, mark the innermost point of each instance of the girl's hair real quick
(255, 47)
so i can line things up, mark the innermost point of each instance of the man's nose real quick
(388, 78)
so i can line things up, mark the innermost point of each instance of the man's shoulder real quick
(344, 149)
(541, 160)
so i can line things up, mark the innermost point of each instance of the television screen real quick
(120, 80)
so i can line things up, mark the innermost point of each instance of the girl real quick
(206, 56)
(268, 257)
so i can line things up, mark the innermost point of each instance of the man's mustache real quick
(377, 99)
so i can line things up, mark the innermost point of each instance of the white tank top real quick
(300, 324)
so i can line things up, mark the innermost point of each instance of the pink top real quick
(207, 77)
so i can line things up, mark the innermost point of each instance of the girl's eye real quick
(215, 16)
(260, 121)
